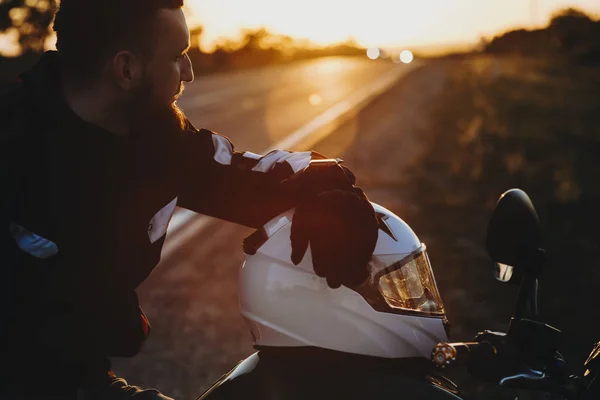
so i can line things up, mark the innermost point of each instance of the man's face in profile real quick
(154, 109)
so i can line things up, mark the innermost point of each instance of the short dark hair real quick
(90, 31)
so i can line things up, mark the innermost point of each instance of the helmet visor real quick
(408, 285)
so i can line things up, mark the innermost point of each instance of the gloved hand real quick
(342, 229)
(319, 177)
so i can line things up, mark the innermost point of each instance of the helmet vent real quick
(381, 218)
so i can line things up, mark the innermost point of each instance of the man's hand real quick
(319, 177)
(342, 229)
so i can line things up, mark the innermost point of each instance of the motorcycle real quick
(525, 357)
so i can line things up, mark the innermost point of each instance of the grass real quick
(504, 123)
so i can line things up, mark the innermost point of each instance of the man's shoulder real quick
(190, 130)
(195, 138)
(206, 135)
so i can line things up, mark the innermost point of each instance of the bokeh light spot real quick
(406, 56)
(373, 53)
(314, 99)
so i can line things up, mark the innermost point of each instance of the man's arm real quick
(243, 188)
(333, 214)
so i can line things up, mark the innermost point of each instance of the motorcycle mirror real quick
(513, 234)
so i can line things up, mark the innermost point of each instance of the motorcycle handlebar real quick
(481, 358)
(462, 353)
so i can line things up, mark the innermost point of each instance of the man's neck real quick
(91, 106)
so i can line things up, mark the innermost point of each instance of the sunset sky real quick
(376, 22)
(383, 23)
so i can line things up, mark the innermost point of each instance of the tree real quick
(196, 37)
(571, 28)
(569, 16)
(31, 19)
(254, 39)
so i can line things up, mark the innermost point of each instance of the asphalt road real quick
(259, 107)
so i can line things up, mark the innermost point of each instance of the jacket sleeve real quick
(241, 187)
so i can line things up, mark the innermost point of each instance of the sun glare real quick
(376, 23)
(383, 24)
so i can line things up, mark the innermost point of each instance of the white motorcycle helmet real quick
(397, 313)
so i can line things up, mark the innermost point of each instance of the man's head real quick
(137, 48)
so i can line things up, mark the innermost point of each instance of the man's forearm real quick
(243, 188)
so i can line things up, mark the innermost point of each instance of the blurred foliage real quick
(571, 34)
(30, 19)
(507, 122)
(261, 47)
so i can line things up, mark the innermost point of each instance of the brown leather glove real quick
(342, 229)
(319, 177)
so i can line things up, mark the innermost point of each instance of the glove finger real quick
(299, 236)
(359, 192)
(331, 271)
(343, 177)
(298, 250)
(333, 283)
(356, 275)
(349, 174)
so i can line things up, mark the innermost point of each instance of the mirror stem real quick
(526, 306)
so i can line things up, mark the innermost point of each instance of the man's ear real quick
(127, 69)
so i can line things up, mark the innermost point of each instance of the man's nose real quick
(187, 71)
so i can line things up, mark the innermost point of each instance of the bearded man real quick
(95, 157)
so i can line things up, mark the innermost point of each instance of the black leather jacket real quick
(102, 203)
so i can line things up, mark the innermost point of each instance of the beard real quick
(152, 120)
(155, 127)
